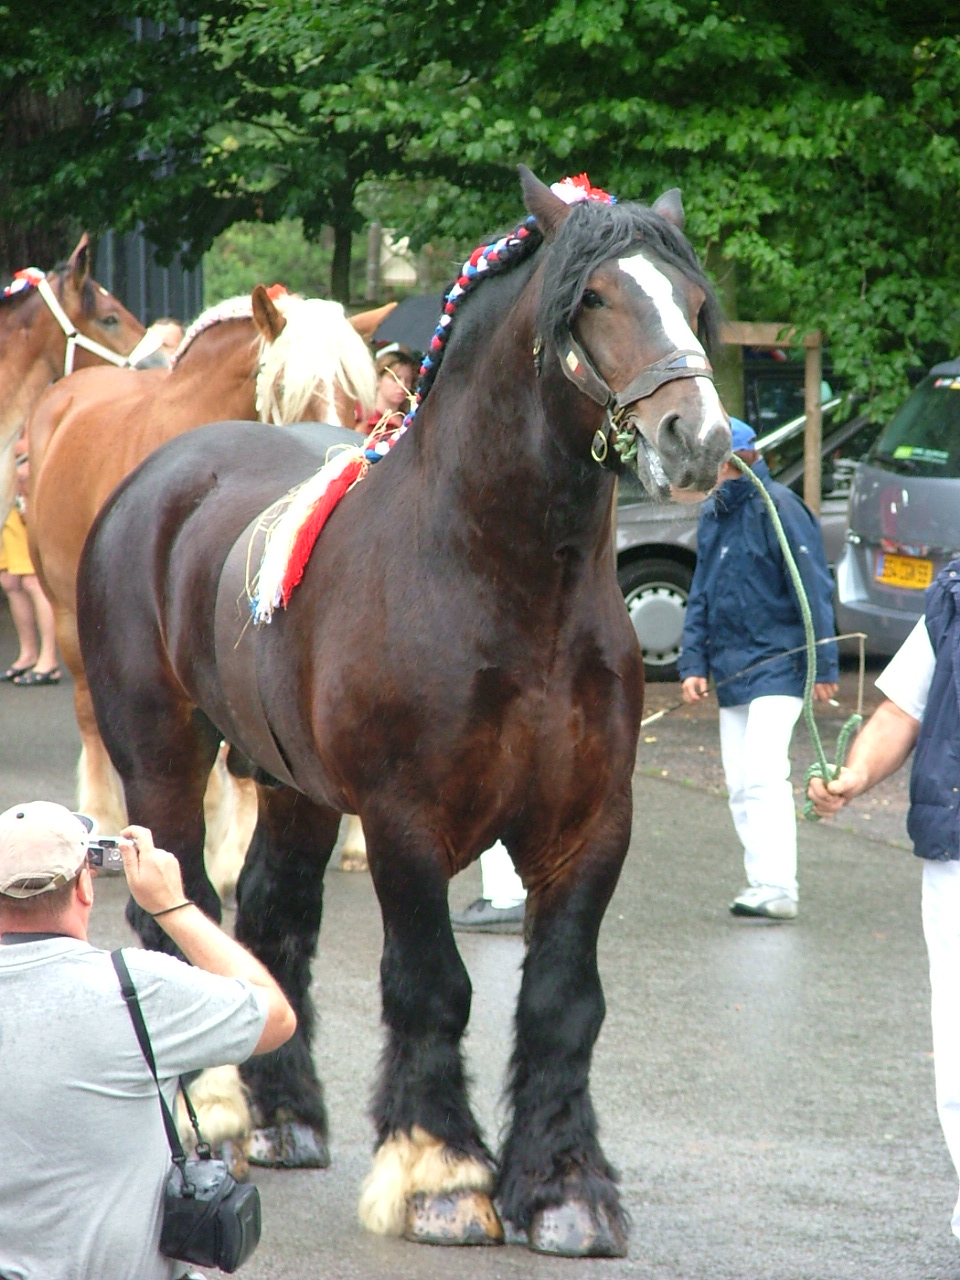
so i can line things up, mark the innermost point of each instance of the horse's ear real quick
(549, 210)
(366, 323)
(79, 263)
(268, 319)
(670, 207)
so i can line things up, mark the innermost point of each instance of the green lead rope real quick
(821, 768)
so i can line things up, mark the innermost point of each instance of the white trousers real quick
(754, 746)
(501, 884)
(941, 928)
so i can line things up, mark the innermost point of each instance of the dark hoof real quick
(288, 1145)
(234, 1155)
(573, 1231)
(461, 1217)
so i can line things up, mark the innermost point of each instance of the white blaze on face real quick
(659, 290)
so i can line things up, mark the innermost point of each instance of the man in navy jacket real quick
(742, 612)
(921, 709)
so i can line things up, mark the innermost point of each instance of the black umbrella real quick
(411, 322)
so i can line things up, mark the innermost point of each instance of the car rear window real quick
(923, 436)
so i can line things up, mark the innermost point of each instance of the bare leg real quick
(21, 610)
(46, 623)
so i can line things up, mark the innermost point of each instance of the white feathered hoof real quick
(411, 1170)
(288, 1144)
(353, 851)
(220, 1101)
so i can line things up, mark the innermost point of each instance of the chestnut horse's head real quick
(90, 310)
(626, 314)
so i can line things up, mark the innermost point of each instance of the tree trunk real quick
(26, 118)
(340, 271)
(728, 361)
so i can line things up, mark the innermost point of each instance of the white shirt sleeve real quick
(907, 677)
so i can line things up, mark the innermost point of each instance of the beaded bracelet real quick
(186, 903)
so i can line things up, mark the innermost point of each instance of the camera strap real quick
(140, 1027)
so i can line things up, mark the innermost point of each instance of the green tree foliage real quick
(251, 253)
(816, 144)
(132, 93)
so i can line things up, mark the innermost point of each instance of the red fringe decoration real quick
(310, 530)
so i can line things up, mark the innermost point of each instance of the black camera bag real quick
(208, 1217)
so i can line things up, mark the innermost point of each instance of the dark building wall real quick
(127, 267)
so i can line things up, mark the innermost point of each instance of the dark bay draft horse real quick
(456, 665)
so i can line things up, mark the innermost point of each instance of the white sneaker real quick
(764, 900)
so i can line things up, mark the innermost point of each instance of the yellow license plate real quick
(904, 571)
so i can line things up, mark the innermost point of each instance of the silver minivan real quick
(657, 542)
(904, 521)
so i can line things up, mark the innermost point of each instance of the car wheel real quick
(656, 594)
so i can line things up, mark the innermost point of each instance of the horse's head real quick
(624, 305)
(90, 309)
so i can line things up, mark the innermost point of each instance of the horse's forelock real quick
(317, 351)
(593, 234)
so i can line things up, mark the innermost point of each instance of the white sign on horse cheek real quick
(660, 292)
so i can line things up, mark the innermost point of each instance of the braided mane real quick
(490, 259)
(594, 232)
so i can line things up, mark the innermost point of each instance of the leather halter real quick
(579, 369)
(77, 339)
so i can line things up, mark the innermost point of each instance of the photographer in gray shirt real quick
(83, 1152)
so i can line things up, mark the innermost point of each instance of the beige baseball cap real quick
(42, 846)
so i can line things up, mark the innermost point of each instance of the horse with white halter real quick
(50, 323)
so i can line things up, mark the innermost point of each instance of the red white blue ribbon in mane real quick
(299, 517)
(28, 278)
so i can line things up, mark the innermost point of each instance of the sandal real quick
(11, 673)
(34, 677)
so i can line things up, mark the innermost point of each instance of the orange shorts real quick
(14, 555)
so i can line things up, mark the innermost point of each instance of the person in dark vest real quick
(921, 713)
(744, 627)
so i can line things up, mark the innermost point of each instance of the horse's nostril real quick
(669, 439)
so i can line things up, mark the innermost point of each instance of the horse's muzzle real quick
(692, 451)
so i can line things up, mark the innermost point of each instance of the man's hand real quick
(830, 797)
(694, 688)
(153, 875)
(878, 751)
(824, 692)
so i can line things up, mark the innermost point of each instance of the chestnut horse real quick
(46, 330)
(456, 665)
(249, 357)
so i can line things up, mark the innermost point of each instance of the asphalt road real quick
(765, 1090)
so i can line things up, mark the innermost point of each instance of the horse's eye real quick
(591, 300)
(110, 322)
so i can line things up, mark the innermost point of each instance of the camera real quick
(104, 852)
